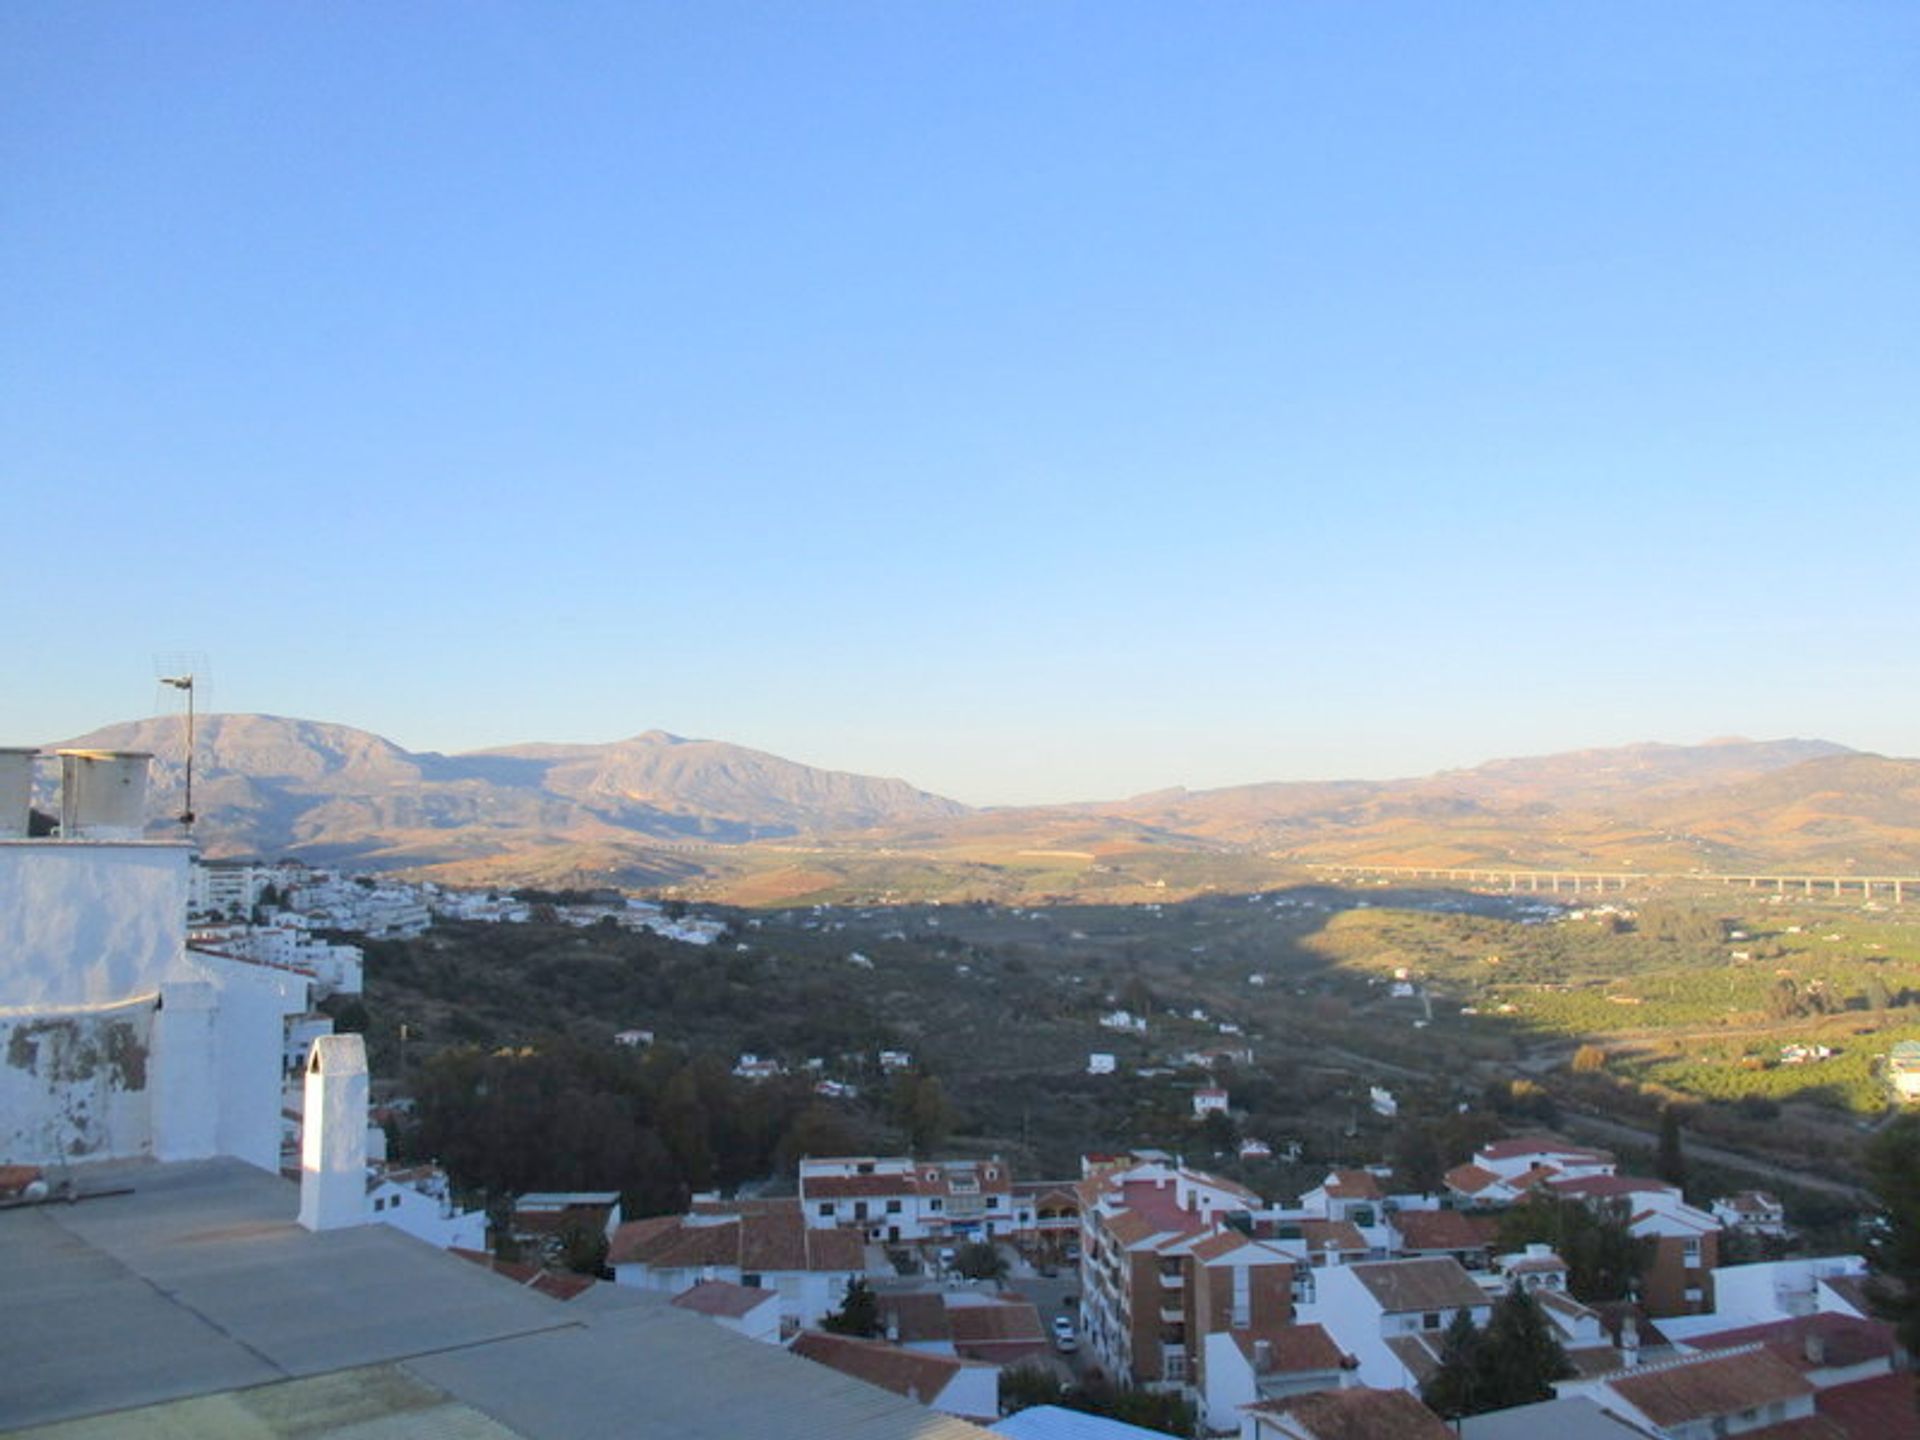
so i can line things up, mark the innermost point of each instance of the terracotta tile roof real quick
(1447, 1230)
(921, 1316)
(558, 1285)
(1610, 1186)
(1351, 1185)
(1807, 1427)
(760, 1240)
(1000, 1333)
(1359, 1414)
(913, 1373)
(1878, 1409)
(1215, 1247)
(1676, 1392)
(1341, 1236)
(1470, 1179)
(1291, 1349)
(1839, 1340)
(1419, 1352)
(1401, 1286)
(857, 1187)
(723, 1299)
(635, 1233)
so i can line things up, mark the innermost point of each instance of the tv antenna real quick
(189, 675)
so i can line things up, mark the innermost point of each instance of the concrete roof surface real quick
(195, 1306)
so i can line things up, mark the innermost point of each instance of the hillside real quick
(728, 822)
(268, 785)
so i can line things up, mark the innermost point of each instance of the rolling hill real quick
(658, 809)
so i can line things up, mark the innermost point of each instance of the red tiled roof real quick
(1807, 1427)
(1291, 1349)
(1470, 1179)
(1840, 1340)
(760, 1240)
(1878, 1409)
(1446, 1230)
(1403, 1286)
(913, 1373)
(1359, 1414)
(1609, 1186)
(918, 1317)
(1677, 1392)
(1351, 1185)
(723, 1299)
(557, 1285)
(1341, 1236)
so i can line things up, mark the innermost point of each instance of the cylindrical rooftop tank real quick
(16, 790)
(103, 794)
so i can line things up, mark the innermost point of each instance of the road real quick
(1714, 1154)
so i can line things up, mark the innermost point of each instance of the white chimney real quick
(1629, 1343)
(103, 794)
(1262, 1356)
(333, 1142)
(16, 791)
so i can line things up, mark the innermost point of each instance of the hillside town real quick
(159, 1018)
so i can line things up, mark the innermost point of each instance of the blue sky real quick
(1037, 401)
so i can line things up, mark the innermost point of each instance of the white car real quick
(1064, 1339)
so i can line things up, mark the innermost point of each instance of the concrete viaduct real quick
(1600, 881)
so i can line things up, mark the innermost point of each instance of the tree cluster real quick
(1513, 1361)
(560, 1115)
(1604, 1260)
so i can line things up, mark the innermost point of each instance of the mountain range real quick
(658, 808)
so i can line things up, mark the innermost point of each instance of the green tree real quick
(1523, 1357)
(1454, 1389)
(1513, 1361)
(1024, 1386)
(1604, 1260)
(1877, 997)
(859, 1312)
(978, 1260)
(1893, 1172)
(1418, 1162)
(1670, 1162)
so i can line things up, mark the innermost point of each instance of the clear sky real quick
(1036, 401)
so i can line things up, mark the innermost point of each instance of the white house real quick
(419, 1200)
(940, 1382)
(743, 1309)
(1390, 1315)
(760, 1244)
(1209, 1101)
(123, 1042)
(896, 1199)
(1100, 1062)
(1703, 1397)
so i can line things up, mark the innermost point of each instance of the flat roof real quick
(196, 1303)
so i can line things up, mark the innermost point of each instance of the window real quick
(826, 1209)
(1430, 1320)
(934, 1204)
(1691, 1248)
(751, 1280)
(893, 1207)
(993, 1202)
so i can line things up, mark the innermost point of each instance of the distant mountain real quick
(1535, 786)
(658, 809)
(267, 785)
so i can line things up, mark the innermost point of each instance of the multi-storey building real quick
(899, 1200)
(1166, 1263)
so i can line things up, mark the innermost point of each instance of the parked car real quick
(1064, 1339)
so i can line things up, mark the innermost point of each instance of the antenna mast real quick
(185, 682)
